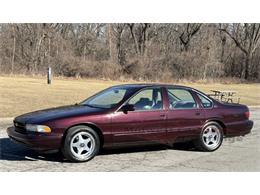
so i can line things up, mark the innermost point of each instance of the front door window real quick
(147, 99)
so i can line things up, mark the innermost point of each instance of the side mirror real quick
(127, 107)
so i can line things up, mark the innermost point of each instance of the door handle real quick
(197, 113)
(162, 115)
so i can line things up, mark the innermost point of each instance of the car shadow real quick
(11, 151)
(187, 146)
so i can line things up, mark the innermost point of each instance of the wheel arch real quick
(91, 125)
(220, 122)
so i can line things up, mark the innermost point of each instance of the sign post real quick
(49, 75)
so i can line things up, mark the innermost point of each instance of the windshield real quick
(108, 98)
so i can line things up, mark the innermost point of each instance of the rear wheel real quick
(210, 138)
(81, 144)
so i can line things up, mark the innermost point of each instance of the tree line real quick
(139, 51)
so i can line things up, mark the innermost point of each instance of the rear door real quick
(185, 117)
(147, 123)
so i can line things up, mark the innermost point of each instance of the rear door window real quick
(181, 99)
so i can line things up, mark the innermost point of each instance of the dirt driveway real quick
(236, 154)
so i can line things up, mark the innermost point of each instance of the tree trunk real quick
(38, 46)
(49, 48)
(223, 43)
(131, 26)
(13, 55)
(246, 75)
(110, 42)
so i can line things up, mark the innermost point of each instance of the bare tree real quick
(14, 47)
(186, 32)
(246, 37)
(139, 36)
(136, 50)
(118, 30)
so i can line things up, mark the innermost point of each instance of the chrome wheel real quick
(82, 145)
(211, 137)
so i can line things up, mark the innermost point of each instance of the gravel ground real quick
(236, 154)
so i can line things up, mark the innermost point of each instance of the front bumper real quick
(36, 141)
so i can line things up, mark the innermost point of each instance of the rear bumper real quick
(41, 142)
(239, 128)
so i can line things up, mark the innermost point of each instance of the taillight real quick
(247, 114)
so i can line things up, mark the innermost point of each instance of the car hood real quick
(41, 116)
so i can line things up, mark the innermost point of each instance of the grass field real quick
(23, 94)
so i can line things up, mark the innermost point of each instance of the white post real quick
(49, 75)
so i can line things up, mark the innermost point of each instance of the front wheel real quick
(81, 144)
(210, 138)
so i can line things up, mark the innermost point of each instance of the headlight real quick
(38, 128)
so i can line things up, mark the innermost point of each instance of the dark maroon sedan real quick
(132, 115)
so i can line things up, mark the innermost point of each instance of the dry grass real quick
(24, 94)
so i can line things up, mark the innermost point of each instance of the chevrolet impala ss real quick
(132, 114)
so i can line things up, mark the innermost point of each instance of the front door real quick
(146, 123)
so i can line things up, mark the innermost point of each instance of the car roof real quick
(139, 86)
(143, 85)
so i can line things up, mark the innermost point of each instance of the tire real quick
(210, 138)
(81, 144)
